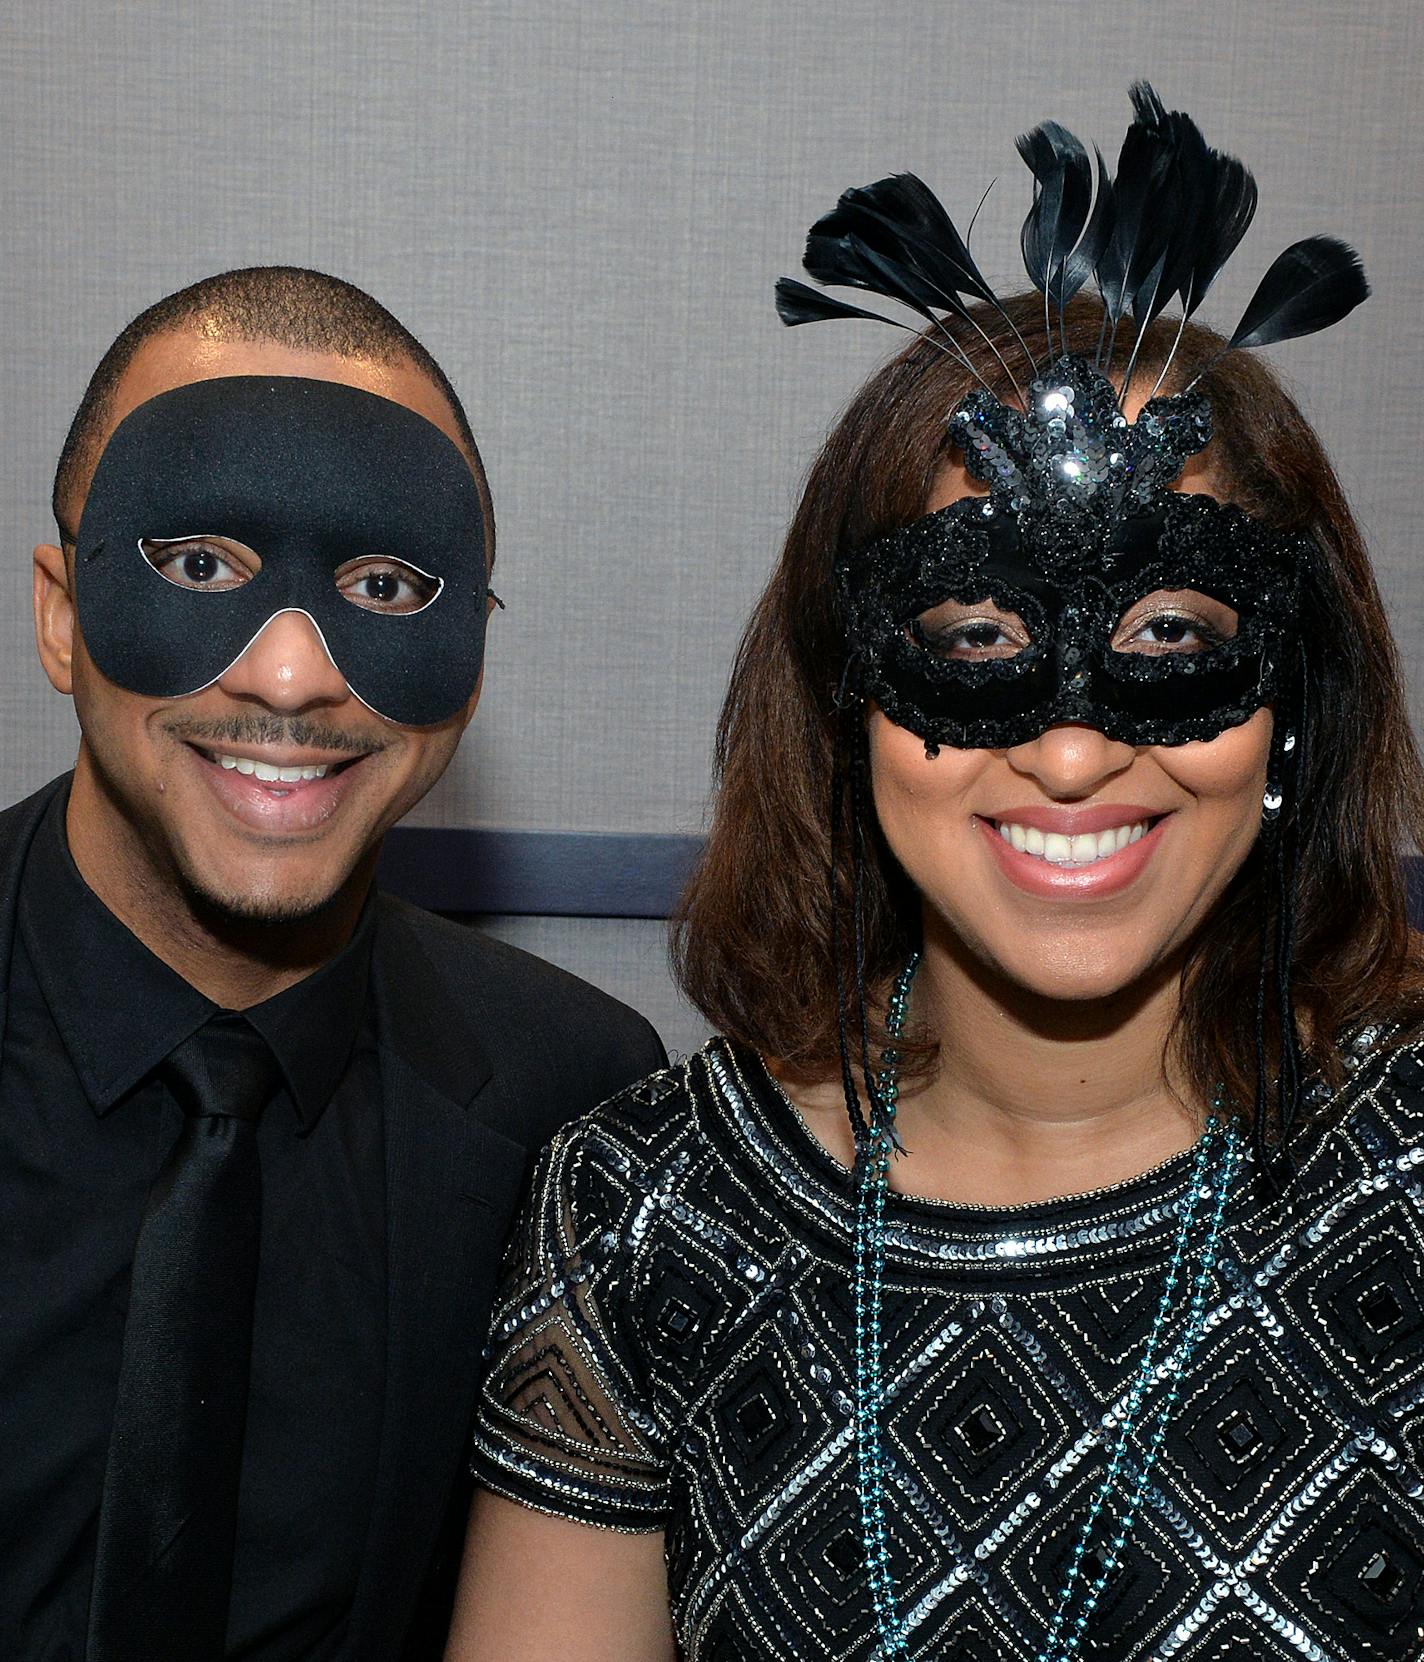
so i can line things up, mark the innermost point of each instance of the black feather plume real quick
(914, 264)
(908, 209)
(800, 303)
(1062, 205)
(894, 239)
(1179, 203)
(1133, 252)
(1226, 205)
(836, 256)
(1311, 285)
(1164, 226)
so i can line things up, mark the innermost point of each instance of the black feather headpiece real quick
(1158, 231)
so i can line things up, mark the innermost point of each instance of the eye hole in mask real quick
(214, 563)
(1175, 622)
(390, 586)
(394, 588)
(969, 632)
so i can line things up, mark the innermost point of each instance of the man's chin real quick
(236, 908)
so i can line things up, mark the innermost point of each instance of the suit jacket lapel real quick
(450, 1183)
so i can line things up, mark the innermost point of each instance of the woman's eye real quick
(1172, 633)
(1175, 621)
(386, 586)
(969, 638)
(953, 630)
(201, 565)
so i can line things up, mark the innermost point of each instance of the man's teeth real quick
(267, 773)
(1081, 850)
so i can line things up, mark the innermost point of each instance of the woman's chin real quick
(1086, 967)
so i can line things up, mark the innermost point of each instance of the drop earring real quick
(1274, 798)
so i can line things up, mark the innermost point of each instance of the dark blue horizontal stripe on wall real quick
(562, 874)
(1414, 875)
(573, 874)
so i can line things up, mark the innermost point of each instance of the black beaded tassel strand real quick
(1278, 1101)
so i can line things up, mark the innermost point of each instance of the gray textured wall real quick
(581, 209)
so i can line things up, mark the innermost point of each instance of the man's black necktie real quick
(167, 1525)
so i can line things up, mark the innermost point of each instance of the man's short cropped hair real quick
(288, 305)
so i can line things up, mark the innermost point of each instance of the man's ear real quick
(54, 616)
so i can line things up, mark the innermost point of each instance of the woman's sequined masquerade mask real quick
(1082, 587)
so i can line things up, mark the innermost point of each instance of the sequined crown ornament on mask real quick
(1081, 526)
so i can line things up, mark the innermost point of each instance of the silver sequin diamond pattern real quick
(672, 1350)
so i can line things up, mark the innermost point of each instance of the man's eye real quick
(386, 586)
(192, 564)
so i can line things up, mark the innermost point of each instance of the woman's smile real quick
(1067, 848)
(1072, 863)
(1074, 854)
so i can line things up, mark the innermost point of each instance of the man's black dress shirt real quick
(84, 1128)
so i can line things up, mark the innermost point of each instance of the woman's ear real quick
(54, 616)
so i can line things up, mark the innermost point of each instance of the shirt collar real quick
(120, 1009)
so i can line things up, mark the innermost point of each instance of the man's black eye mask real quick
(310, 475)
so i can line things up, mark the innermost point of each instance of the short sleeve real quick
(565, 1422)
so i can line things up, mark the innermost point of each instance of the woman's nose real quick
(1071, 760)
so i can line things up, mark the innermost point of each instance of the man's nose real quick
(286, 667)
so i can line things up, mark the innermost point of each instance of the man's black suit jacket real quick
(484, 1053)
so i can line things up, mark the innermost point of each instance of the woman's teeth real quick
(268, 774)
(1081, 850)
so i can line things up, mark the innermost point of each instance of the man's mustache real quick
(300, 732)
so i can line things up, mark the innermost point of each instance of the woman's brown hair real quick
(753, 940)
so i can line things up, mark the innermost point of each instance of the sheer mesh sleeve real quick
(564, 1421)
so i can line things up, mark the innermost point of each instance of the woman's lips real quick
(1065, 874)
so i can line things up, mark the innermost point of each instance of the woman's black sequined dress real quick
(672, 1351)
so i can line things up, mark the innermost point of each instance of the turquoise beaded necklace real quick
(1216, 1157)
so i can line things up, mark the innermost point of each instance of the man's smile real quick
(276, 794)
(265, 771)
(275, 769)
